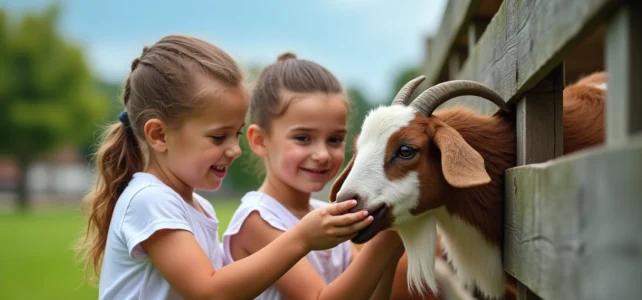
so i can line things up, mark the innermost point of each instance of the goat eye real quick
(405, 152)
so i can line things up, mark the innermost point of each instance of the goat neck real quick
(471, 222)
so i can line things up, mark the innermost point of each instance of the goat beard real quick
(419, 238)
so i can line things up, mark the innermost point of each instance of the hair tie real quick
(124, 118)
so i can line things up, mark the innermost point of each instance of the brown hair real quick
(287, 74)
(291, 74)
(162, 84)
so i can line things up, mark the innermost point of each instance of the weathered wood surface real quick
(525, 40)
(624, 61)
(475, 30)
(539, 120)
(454, 21)
(539, 131)
(573, 224)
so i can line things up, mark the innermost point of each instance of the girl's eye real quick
(336, 140)
(302, 138)
(218, 138)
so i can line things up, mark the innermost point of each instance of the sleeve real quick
(150, 210)
(271, 217)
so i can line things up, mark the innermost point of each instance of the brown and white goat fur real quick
(425, 174)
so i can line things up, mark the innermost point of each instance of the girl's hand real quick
(326, 227)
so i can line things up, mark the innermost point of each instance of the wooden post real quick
(455, 61)
(624, 65)
(539, 120)
(475, 30)
(539, 131)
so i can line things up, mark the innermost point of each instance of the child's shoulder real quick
(145, 192)
(256, 198)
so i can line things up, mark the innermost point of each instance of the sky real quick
(363, 42)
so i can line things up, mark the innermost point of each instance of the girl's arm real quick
(384, 288)
(386, 285)
(180, 259)
(302, 281)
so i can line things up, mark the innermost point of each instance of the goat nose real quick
(348, 196)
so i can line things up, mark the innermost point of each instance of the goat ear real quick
(336, 186)
(463, 167)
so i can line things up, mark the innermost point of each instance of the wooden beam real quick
(572, 228)
(539, 120)
(527, 39)
(624, 64)
(454, 20)
(475, 30)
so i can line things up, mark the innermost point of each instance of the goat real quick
(413, 170)
(450, 288)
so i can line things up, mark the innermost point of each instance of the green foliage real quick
(114, 105)
(359, 109)
(404, 75)
(49, 97)
(244, 174)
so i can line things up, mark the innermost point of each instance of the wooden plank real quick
(624, 63)
(539, 132)
(527, 39)
(539, 120)
(572, 224)
(454, 20)
(475, 30)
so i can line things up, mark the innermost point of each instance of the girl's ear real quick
(256, 138)
(155, 134)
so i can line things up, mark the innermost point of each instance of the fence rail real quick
(572, 232)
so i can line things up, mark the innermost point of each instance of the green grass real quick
(36, 256)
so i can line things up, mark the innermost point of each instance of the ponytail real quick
(117, 159)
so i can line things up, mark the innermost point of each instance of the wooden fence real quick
(573, 223)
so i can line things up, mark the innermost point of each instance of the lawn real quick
(36, 260)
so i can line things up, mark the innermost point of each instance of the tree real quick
(112, 92)
(49, 97)
(359, 107)
(245, 173)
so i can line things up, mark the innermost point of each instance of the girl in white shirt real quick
(149, 235)
(298, 115)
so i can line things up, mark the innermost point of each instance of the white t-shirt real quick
(329, 263)
(145, 206)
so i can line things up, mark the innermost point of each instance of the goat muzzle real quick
(379, 223)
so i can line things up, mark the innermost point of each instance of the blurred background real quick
(62, 66)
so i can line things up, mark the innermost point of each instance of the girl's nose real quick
(234, 151)
(321, 155)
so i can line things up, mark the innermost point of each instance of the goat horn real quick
(431, 98)
(404, 93)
